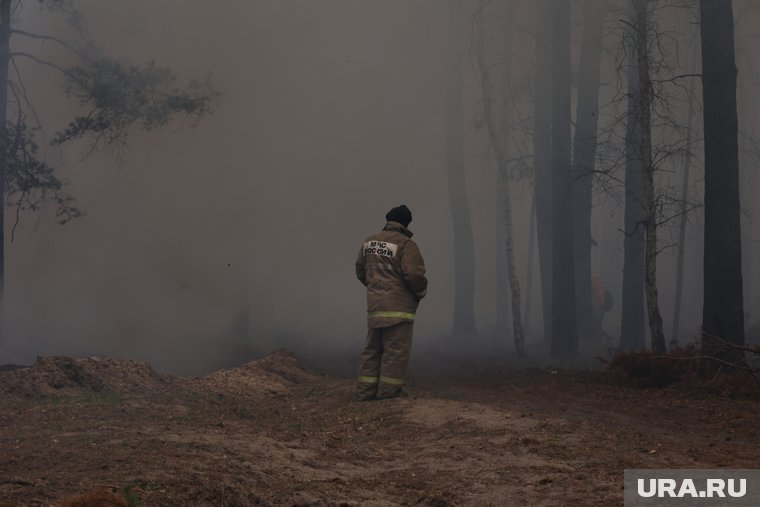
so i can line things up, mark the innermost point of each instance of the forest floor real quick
(273, 432)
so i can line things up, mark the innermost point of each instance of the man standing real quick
(391, 267)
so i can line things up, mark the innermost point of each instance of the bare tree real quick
(658, 133)
(645, 151)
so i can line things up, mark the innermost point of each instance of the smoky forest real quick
(362, 253)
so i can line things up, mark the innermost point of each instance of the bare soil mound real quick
(60, 375)
(468, 435)
(274, 374)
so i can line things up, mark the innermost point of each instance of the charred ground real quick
(273, 432)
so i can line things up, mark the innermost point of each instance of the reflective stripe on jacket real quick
(390, 265)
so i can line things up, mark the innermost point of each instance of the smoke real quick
(243, 230)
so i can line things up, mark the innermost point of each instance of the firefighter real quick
(391, 267)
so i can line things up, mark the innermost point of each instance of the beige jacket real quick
(390, 265)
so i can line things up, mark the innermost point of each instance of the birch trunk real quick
(496, 127)
(650, 209)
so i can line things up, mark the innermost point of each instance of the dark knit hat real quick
(400, 214)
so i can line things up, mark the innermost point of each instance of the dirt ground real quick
(275, 433)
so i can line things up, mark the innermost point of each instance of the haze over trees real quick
(634, 123)
(113, 97)
(463, 324)
(540, 145)
(496, 114)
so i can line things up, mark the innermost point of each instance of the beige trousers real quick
(384, 361)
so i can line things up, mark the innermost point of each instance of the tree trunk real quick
(584, 154)
(632, 331)
(683, 222)
(564, 328)
(496, 127)
(542, 146)
(650, 207)
(529, 277)
(723, 311)
(514, 284)
(5, 54)
(502, 274)
(748, 182)
(464, 257)
(745, 90)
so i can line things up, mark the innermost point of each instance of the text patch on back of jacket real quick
(380, 248)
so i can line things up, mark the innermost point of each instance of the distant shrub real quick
(648, 370)
(690, 367)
